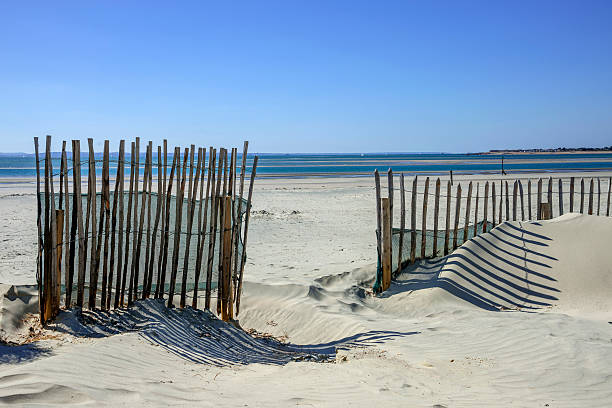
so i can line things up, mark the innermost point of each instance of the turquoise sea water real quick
(337, 164)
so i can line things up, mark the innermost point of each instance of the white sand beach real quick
(520, 316)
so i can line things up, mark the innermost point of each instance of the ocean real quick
(21, 165)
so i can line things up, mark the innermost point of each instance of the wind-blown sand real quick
(516, 317)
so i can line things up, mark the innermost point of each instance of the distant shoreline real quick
(602, 150)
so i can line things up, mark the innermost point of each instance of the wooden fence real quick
(70, 223)
(508, 201)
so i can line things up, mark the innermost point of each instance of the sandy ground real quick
(517, 317)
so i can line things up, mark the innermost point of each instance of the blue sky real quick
(309, 76)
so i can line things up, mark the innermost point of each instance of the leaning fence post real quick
(486, 207)
(514, 196)
(539, 199)
(571, 197)
(457, 214)
(598, 195)
(582, 196)
(424, 220)
(609, 191)
(501, 200)
(493, 203)
(402, 223)
(413, 221)
(476, 211)
(507, 203)
(560, 197)
(390, 195)
(529, 200)
(448, 208)
(520, 185)
(121, 187)
(550, 196)
(591, 197)
(39, 238)
(436, 215)
(386, 254)
(246, 230)
(467, 213)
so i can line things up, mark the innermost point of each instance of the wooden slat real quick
(390, 195)
(378, 219)
(52, 296)
(136, 229)
(413, 205)
(138, 243)
(128, 224)
(436, 215)
(106, 206)
(609, 193)
(400, 251)
(119, 207)
(514, 197)
(57, 289)
(180, 194)
(560, 197)
(485, 208)
(224, 279)
(44, 301)
(167, 213)
(39, 255)
(220, 293)
(447, 224)
(520, 185)
(203, 223)
(598, 195)
(507, 202)
(501, 202)
(539, 199)
(476, 211)
(571, 197)
(61, 177)
(529, 200)
(158, 209)
(582, 196)
(67, 227)
(245, 150)
(192, 202)
(386, 229)
(467, 213)
(76, 184)
(113, 230)
(159, 287)
(424, 220)
(591, 197)
(493, 222)
(550, 196)
(214, 211)
(246, 230)
(457, 214)
(149, 188)
(93, 265)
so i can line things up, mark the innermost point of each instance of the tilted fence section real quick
(461, 213)
(179, 235)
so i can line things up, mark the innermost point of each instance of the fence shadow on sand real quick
(507, 268)
(199, 337)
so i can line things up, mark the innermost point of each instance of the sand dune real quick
(516, 317)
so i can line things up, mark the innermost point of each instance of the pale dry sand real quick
(517, 317)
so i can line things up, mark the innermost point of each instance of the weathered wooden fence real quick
(72, 222)
(472, 214)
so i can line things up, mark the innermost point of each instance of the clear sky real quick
(309, 76)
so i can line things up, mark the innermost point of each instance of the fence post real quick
(402, 223)
(386, 254)
(486, 208)
(529, 200)
(448, 205)
(467, 213)
(591, 198)
(476, 211)
(582, 196)
(514, 196)
(539, 199)
(436, 215)
(571, 197)
(457, 214)
(560, 197)
(424, 220)
(413, 220)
